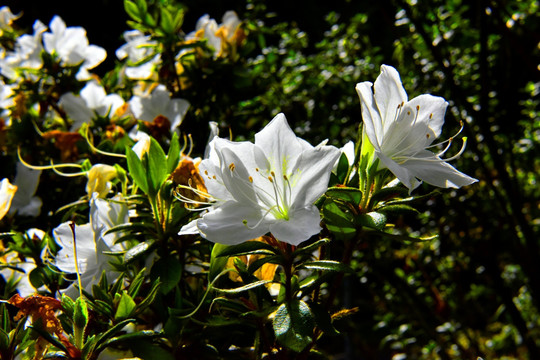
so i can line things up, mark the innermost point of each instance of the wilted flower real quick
(66, 142)
(92, 243)
(92, 100)
(268, 186)
(401, 131)
(156, 103)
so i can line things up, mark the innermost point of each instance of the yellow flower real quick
(7, 192)
(99, 179)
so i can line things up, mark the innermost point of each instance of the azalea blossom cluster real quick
(160, 206)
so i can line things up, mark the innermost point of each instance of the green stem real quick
(288, 272)
(157, 217)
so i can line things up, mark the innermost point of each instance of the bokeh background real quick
(474, 290)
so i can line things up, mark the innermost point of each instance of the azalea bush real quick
(233, 190)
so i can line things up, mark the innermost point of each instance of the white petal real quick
(94, 55)
(400, 171)
(105, 215)
(7, 192)
(312, 173)
(427, 167)
(225, 224)
(235, 174)
(280, 144)
(177, 111)
(27, 181)
(93, 94)
(86, 249)
(431, 112)
(76, 109)
(303, 224)
(389, 94)
(373, 126)
(190, 228)
(110, 104)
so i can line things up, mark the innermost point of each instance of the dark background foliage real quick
(475, 290)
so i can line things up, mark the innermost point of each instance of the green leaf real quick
(102, 307)
(145, 349)
(342, 168)
(136, 170)
(149, 20)
(68, 305)
(273, 259)
(323, 319)
(169, 271)
(339, 222)
(36, 277)
(4, 340)
(103, 337)
(243, 288)
(48, 337)
(293, 325)
(217, 263)
(388, 193)
(346, 194)
(132, 10)
(373, 219)
(139, 250)
(80, 320)
(166, 21)
(141, 4)
(125, 307)
(149, 299)
(326, 265)
(173, 156)
(312, 247)
(178, 19)
(230, 304)
(246, 248)
(136, 283)
(398, 209)
(156, 166)
(130, 227)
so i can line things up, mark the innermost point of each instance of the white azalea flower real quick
(7, 192)
(137, 48)
(71, 45)
(401, 131)
(142, 146)
(216, 34)
(6, 100)
(6, 18)
(159, 102)
(25, 202)
(91, 244)
(99, 179)
(26, 55)
(268, 186)
(92, 100)
(20, 276)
